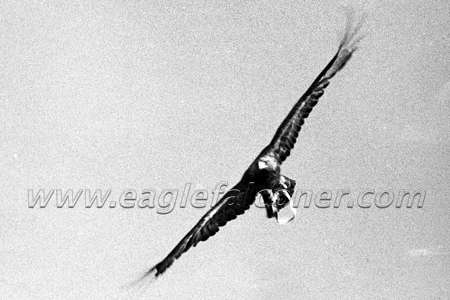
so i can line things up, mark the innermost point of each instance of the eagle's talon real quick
(280, 205)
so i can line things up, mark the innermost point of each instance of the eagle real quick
(263, 177)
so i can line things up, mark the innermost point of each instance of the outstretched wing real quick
(286, 135)
(235, 202)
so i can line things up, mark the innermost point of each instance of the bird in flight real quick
(263, 176)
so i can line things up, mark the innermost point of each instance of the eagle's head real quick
(285, 183)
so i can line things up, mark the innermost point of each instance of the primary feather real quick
(286, 135)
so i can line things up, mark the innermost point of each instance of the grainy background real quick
(147, 94)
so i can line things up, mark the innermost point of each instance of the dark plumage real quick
(263, 175)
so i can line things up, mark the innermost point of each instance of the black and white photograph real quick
(225, 149)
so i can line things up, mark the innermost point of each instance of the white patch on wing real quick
(267, 161)
(262, 164)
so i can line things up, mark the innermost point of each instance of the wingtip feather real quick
(147, 278)
(352, 34)
(350, 40)
(137, 287)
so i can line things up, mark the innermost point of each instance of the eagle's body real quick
(263, 176)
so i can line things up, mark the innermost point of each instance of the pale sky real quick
(143, 94)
